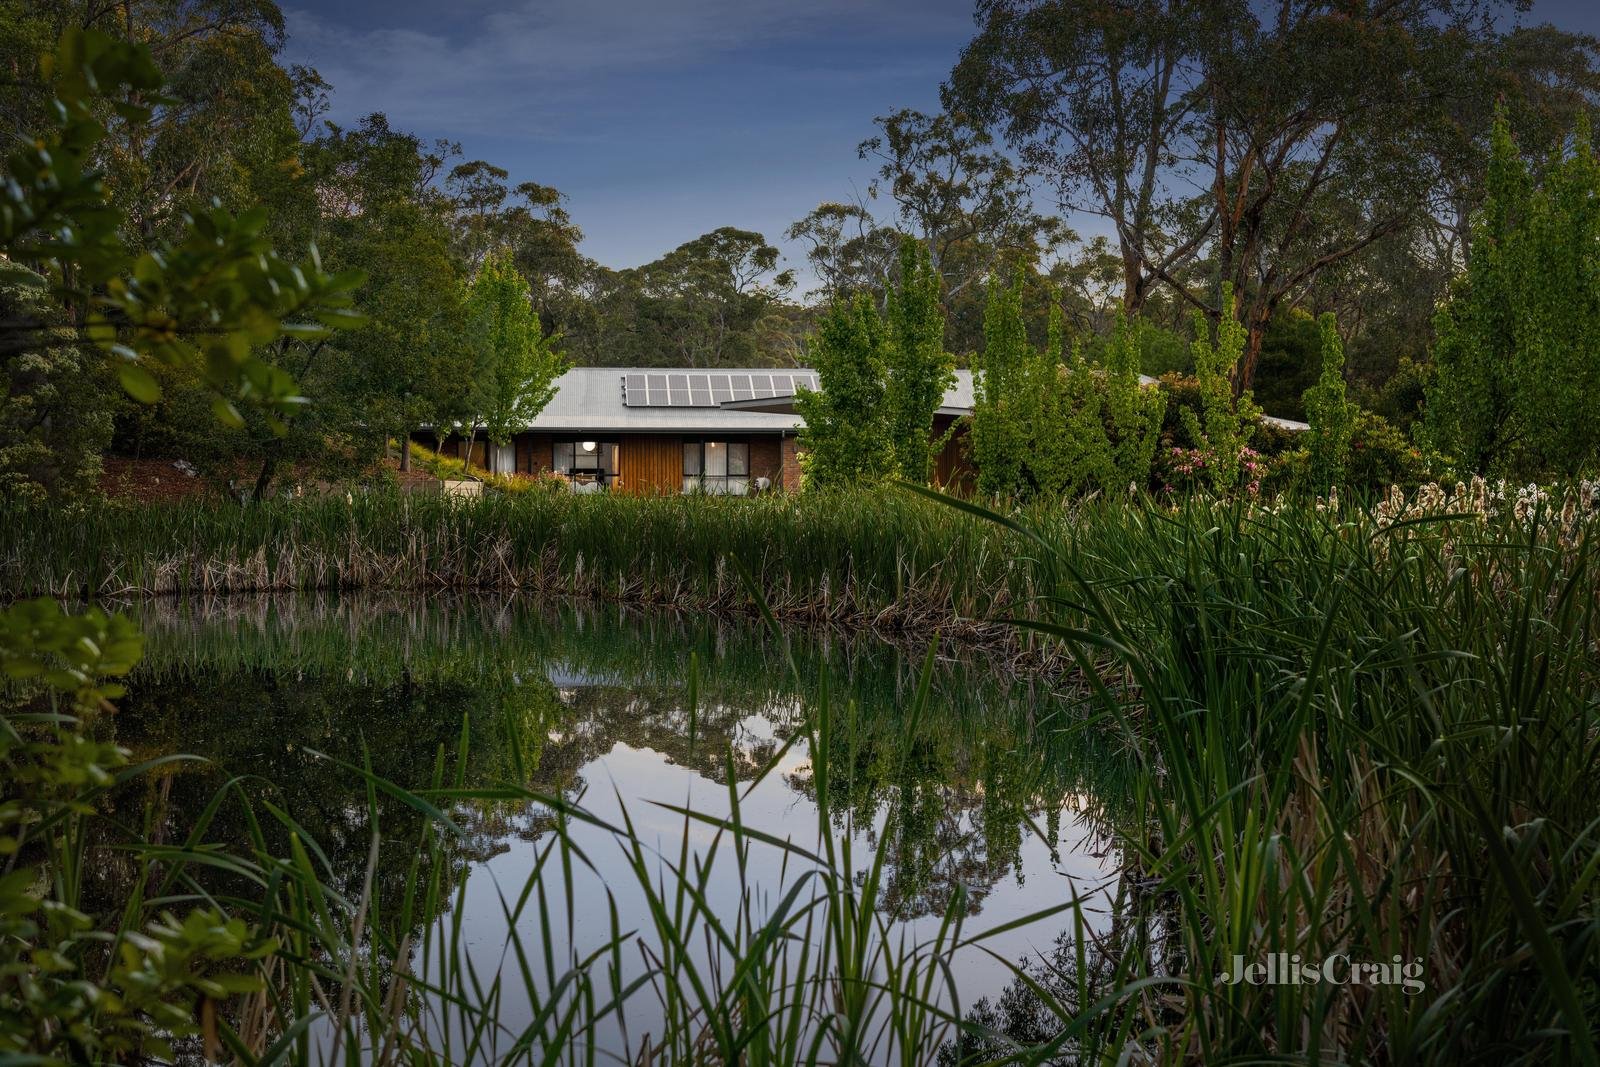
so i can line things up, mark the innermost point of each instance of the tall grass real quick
(883, 559)
(1361, 735)
(1368, 738)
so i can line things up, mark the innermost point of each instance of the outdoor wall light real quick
(588, 446)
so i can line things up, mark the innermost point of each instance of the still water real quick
(632, 716)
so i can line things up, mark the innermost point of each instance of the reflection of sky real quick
(633, 778)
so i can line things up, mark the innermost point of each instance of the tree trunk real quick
(269, 467)
(1133, 284)
(1256, 319)
(405, 451)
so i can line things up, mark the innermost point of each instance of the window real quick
(585, 462)
(716, 467)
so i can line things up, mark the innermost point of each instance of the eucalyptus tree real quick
(1100, 100)
(966, 201)
(850, 251)
(1245, 144)
(700, 305)
(211, 302)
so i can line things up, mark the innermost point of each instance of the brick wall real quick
(533, 452)
(766, 459)
(791, 465)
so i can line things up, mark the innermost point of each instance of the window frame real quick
(735, 451)
(605, 456)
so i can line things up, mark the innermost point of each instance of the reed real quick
(1371, 735)
(881, 559)
(1361, 733)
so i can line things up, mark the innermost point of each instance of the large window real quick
(716, 467)
(585, 462)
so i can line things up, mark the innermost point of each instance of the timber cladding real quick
(650, 465)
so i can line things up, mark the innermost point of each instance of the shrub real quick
(448, 468)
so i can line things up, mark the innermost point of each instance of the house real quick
(678, 430)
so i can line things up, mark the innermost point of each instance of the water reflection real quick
(984, 790)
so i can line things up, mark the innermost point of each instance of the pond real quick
(978, 789)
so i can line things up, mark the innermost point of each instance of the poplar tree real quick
(1051, 460)
(1330, 414)
(998, 437)
(1224, 425)
(1517, 365)
(919, 371)
(517, 365)
(845, 439)
(1133, 411)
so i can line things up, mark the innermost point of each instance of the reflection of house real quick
(679, 430)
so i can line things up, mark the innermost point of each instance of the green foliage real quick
(1331, 416)
(1517, 368)
(1401, 396)
(717, 300)
(516, 365)
(61, 1000)
(1224, 425)
(1134, 413)
(55, 401)
(1000, 432)
(1049, 421)
(1233, 647)
(918, 370)
(846, 439)
(1381, 455)
(207, 300)
(1291, 348)
(1057, 411)
(412, 363)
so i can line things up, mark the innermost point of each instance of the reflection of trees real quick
(267, 729)
(1075, 977)
(254, 684)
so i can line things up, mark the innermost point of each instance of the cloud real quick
(536, 62)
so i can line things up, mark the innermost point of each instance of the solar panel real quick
(699, 390)
(702, 390)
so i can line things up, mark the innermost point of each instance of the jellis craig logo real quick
(1283, 968)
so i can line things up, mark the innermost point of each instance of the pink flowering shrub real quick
(1183, 470)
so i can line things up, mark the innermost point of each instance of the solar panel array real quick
(680, 390)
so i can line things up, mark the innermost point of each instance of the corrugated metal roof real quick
(591, 398)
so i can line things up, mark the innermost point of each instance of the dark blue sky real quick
(660, 119)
